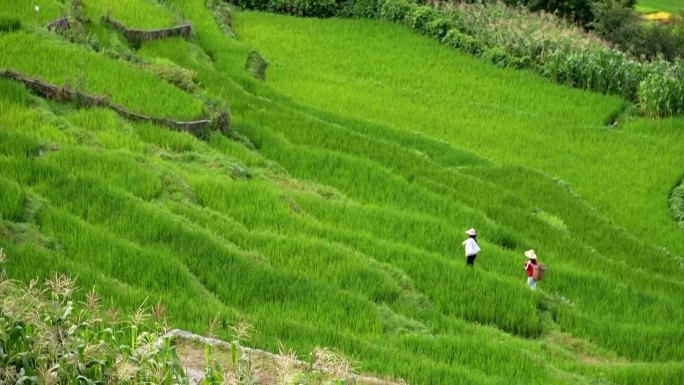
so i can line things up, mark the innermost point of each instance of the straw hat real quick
(530, 254)
(471, 232)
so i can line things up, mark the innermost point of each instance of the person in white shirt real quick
(471, 247)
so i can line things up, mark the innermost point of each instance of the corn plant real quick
(46, 337)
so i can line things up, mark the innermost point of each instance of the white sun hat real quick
(530, 254)
(471, 232)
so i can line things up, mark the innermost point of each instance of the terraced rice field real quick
(333, 214)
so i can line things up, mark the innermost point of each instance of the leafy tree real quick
(620, 25)
(659, 39)
(616, 22)
(580, 12)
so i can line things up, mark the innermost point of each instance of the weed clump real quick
(173, 73)
(256, 64)
(677, 204)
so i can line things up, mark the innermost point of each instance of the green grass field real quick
(648, 6)
(133, 13)
(337, 217)
(48, 10)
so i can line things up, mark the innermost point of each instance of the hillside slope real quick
(333, 213)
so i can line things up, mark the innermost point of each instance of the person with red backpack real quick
(529, 266)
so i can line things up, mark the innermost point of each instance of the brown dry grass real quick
(272, 369)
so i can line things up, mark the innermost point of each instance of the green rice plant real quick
(120, 172)
(13, 200)
(81, 69)
(48, 10)
(545, 43)
(18, 145)
(640, 374)
(9, 23)
(297, 137)
(13, 92)
(137, 14)
(164, 140)
(398, 117)
(177, 50)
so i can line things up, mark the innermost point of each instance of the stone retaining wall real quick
(139, 35)
(194, 374)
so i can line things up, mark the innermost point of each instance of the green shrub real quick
(497, 56)
(310, 8)
(677, 204)
(419, 17)
(576, 11)
(396, 10)
(438, 27)
(256, 64)
(173, 73)
(367, 9)
(456, 39)
(621, 25)
(9, 23)
(658, 39)
(254, 4)
(316, 8)
(521, 62)
(615, 22)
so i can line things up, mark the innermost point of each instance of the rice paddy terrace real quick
(332, 213)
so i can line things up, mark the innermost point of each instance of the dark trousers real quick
(470, 259)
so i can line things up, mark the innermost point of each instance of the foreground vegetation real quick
(47, 338)
(333, 214)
